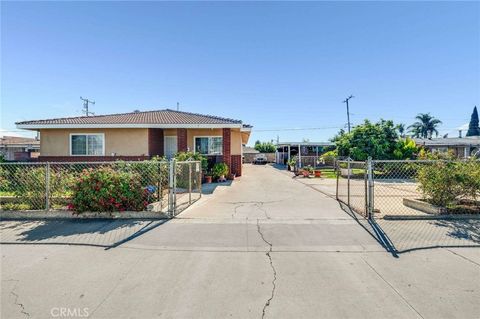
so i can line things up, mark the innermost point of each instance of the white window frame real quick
(207, 136)
(77, 134)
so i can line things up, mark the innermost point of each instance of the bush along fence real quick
(411, 188)
(156, 186)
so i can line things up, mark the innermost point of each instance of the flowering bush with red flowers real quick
(106, 190)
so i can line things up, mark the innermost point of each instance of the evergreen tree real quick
(473, 128)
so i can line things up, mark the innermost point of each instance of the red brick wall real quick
(237, 165)
(155, 141)
(227, 155)
(91, 158)
(182, 140)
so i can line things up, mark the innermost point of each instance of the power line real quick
(297, 129)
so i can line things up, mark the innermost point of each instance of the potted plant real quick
(231, 176)
(208, 177)
(220, 170)
(291, 164)
(318, 173)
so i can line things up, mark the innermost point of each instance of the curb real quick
(33, 215)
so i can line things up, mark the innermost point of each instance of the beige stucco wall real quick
(123, 142)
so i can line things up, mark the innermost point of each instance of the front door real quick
(170, 146)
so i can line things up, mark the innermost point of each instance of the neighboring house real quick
(462, 147)
(141, 135)
(15, 148)
(249, 154)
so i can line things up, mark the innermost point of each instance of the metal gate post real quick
(337, 171)
(171, 188)
(189, 183)
(47, 186)
(370, 188)
(348, 182)
(199, 181)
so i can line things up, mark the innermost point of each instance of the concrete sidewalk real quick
(265, 247)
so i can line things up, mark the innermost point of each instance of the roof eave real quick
(166, 126)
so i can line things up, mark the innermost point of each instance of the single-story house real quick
(16, 148)
(462, 147)
(141, 135)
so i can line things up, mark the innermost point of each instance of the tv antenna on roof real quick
(85, 106)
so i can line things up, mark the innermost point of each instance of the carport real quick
(286, 151)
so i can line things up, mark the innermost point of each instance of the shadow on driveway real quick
(400, 236)
(99, 233)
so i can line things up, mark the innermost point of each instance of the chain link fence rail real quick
(164, 187)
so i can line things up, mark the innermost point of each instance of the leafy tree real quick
(425, 126)
(405, 149)
(473, 128)
(265, 147)
(377, 140)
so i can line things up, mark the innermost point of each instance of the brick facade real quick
(227, 148)
(182, 144)
(155, 142)
(236, 165)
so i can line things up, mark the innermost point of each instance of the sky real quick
(283, 67)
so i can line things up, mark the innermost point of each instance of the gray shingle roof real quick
(450, 141)
(166, 116)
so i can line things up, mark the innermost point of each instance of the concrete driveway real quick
(265, 247)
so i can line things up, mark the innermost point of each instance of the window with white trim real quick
(87, 144)
(209, 145)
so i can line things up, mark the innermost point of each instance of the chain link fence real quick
(159, 186)
(412, 188)
(414, 204)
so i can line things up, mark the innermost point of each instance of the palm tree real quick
(401, 129)
(425, 126)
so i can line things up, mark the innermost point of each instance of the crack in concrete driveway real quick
(274, 286)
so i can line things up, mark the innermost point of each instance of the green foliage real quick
(405, 149)
(265, 147)
(106, 190)
(425, 126)
(377, 140)
(30, 186)
(329, 157)
(443, 183)
(220, 169)
(186, 156)
(292, 162)
(2, 158)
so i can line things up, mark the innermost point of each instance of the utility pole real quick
(85, 106)
(348, 111)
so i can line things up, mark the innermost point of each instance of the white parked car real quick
(260, 159)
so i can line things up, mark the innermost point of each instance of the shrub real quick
(220, 169)
(329, 157)
(186, 156)
(105, 190)
(443, 183)
(30, 186)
